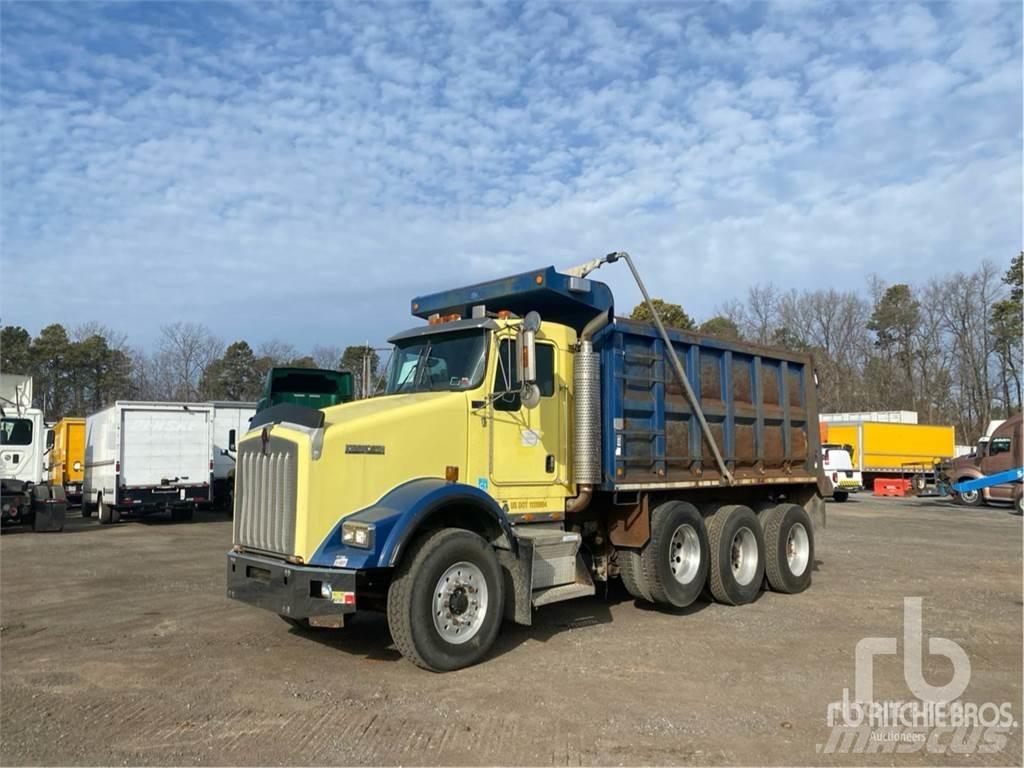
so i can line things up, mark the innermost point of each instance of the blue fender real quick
(396, 517)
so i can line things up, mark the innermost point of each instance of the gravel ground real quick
(118, 646)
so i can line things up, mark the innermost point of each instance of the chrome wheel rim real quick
(684, 553)
(460, 603)
(798, 549)
(744, 556)
(969, 496)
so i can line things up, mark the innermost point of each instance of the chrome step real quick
(562, 592)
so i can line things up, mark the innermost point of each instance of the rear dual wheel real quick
(672, 567)
(789, 540)
(737, 554)
(107, 513)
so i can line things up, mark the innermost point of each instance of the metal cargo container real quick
(759, 403)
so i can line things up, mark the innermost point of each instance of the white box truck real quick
(230, 422)
(143, 457)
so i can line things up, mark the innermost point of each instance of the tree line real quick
(80, 370)
(948, 347)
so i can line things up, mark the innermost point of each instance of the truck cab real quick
(998, 451)
(25, 494)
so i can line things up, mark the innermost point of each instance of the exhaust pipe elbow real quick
(580, 502)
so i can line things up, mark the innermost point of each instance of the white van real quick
(143, 457)
(837, 462)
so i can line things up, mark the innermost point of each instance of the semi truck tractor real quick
(67, 458)
(145, 457)
(26, 495)
(529, 446)
(999, 452)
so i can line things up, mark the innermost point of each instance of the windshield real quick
(16, 432)
(446, 362)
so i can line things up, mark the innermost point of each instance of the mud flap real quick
(518, 576)
(49, 508)
(815, 508)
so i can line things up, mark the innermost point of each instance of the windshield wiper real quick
(424, 358)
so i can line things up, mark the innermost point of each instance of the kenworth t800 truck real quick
(530, 444)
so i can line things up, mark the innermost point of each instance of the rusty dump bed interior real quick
(760, 404)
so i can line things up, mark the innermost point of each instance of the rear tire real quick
(106, 513)
(676, 559)
(789, 548)
(632, 574)
(841, 496)
(446, 601)
(737, 554)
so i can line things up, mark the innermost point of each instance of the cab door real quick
(527, 464)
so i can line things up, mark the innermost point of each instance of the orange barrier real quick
(891, 486)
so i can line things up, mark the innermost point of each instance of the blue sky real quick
(300, 171)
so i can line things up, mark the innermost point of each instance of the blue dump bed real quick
(760, 404)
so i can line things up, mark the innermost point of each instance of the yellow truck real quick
(529, 446)
(67, 458)
(894, 450)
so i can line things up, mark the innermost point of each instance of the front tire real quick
(446, 601)
(969, 498)
(737, 554)
(789, 548)
(675, 560)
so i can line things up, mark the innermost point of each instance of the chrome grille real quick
(265, 480)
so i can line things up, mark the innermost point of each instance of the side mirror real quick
(49, 440)
(526, 350)
(231, 440)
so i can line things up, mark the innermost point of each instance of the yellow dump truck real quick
(517, 460)
(892, 450)
(67, 458)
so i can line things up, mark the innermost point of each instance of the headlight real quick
(77, 466)
(357, 534)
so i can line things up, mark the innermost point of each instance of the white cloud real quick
(301, 171)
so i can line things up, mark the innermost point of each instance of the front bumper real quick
(290, 590)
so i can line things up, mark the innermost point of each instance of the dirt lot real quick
(118, 646)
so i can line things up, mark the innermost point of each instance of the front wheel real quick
(446, 601)
(968, 498)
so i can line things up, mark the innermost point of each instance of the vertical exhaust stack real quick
(586, 377)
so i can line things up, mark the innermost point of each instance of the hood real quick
(372, 446)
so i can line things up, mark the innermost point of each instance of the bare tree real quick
(183, 353)
(277, 352)
(328, 357)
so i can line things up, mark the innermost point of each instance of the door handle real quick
(549, 464)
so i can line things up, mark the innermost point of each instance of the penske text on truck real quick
(530, 445)
(143, 457)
